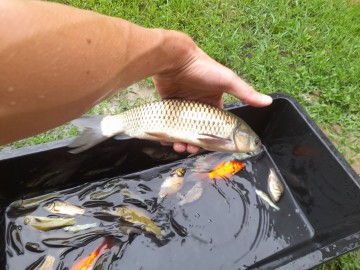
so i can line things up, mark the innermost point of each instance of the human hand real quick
(203, 79)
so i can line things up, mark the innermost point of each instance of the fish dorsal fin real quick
(213, 139)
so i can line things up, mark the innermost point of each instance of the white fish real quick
(266, 198)
(192, 195)
(78, 228)
(47, 264)
(173, 183)
(171, 120)
(60, 207)
(275, 187)
(48, 223)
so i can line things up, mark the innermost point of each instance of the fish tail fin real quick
(94, 130)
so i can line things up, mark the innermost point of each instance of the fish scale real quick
(171, 120)
(189, 117)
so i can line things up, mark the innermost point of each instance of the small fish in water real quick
(226, 169)
(33, 202)
(170, 120)
(34, 247)
(217, 166)
(266, 198)
(44, 263)
(48, 263)
(101, 195)
(87, 262)
(78, 228)
(65, 208)
(275, 187)
(192, 195)
(137, 217)
(48, 223)
(173, 183)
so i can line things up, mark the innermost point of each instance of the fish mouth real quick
(256, 155)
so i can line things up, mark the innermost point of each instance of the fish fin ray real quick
(94, 130)
(213, 139)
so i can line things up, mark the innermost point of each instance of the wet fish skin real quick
(226, 169)
(47, 264)
(34, 247)
(48, 223)
(275, 187)
(65, 208)
(266, 198)
(192, 195)
(171, 120)
(78, 228)
(173, 183)
(136, 217)
(101, 195)
(33, 202)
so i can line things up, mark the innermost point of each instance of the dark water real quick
(228, 227)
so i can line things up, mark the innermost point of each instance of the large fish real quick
(171, 120)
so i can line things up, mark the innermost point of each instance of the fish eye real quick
(257, 142)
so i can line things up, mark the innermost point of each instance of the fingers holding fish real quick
(182, 147)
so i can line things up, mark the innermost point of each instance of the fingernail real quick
(267, 99)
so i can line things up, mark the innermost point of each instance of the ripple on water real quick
(227, 226)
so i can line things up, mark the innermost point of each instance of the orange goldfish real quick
(87, 262)
(226, 169)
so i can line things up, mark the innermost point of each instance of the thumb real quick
(240, 89)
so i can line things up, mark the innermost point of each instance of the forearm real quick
(56, 62)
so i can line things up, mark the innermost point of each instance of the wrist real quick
(178, 51)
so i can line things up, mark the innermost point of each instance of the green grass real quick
(309, 49)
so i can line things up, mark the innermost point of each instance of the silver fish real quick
(173, 183)
(103, 194)
(33, 202)
(47, 264)
(48, 223)
(65, 208)
(275, 187)
(266, 198)
(78, 228)
(171, 120)
(192, 195)
(136, 216)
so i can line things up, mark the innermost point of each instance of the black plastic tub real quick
(320, 209)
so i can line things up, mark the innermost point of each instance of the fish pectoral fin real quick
(122, 136)
(213, 139)
(161, 136)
